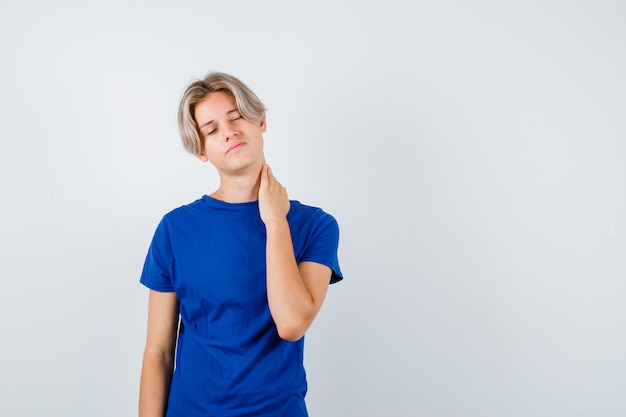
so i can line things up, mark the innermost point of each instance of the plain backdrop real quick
(473, 153)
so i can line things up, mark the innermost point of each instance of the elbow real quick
(290, 336)
(291, 325)
(291, 332)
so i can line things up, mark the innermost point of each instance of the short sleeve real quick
(323, 244)
(158, 268)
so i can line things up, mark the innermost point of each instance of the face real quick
(231, 143)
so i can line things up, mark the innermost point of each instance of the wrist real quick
(276, 223)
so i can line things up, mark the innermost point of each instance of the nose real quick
(230, 132)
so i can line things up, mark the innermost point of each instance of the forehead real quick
(213, 106)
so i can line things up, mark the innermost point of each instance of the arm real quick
(295, 292)
(158, 357)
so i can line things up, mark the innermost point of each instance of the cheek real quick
(213, 149)
(208, 149)
(211, 144)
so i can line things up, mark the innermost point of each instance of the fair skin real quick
(295, 292)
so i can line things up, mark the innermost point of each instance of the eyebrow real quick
(228, 112)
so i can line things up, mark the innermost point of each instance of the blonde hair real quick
(248, 104)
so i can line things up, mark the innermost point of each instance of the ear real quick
(263, 126)
(202, 157)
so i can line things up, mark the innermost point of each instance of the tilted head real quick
(248, 104)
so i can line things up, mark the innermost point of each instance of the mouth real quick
(236, 146)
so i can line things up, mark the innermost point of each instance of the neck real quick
(239, 188)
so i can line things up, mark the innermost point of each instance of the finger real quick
(270, 175)
(264, 176)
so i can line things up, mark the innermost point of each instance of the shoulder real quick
(186, 210)
(308, 220)
(299, 212)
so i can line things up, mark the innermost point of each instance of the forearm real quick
(156, 376)
(290, 302)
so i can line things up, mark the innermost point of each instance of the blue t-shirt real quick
(230, 360)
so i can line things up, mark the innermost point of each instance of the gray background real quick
(473, 153)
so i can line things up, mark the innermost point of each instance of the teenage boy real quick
(236, 277)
